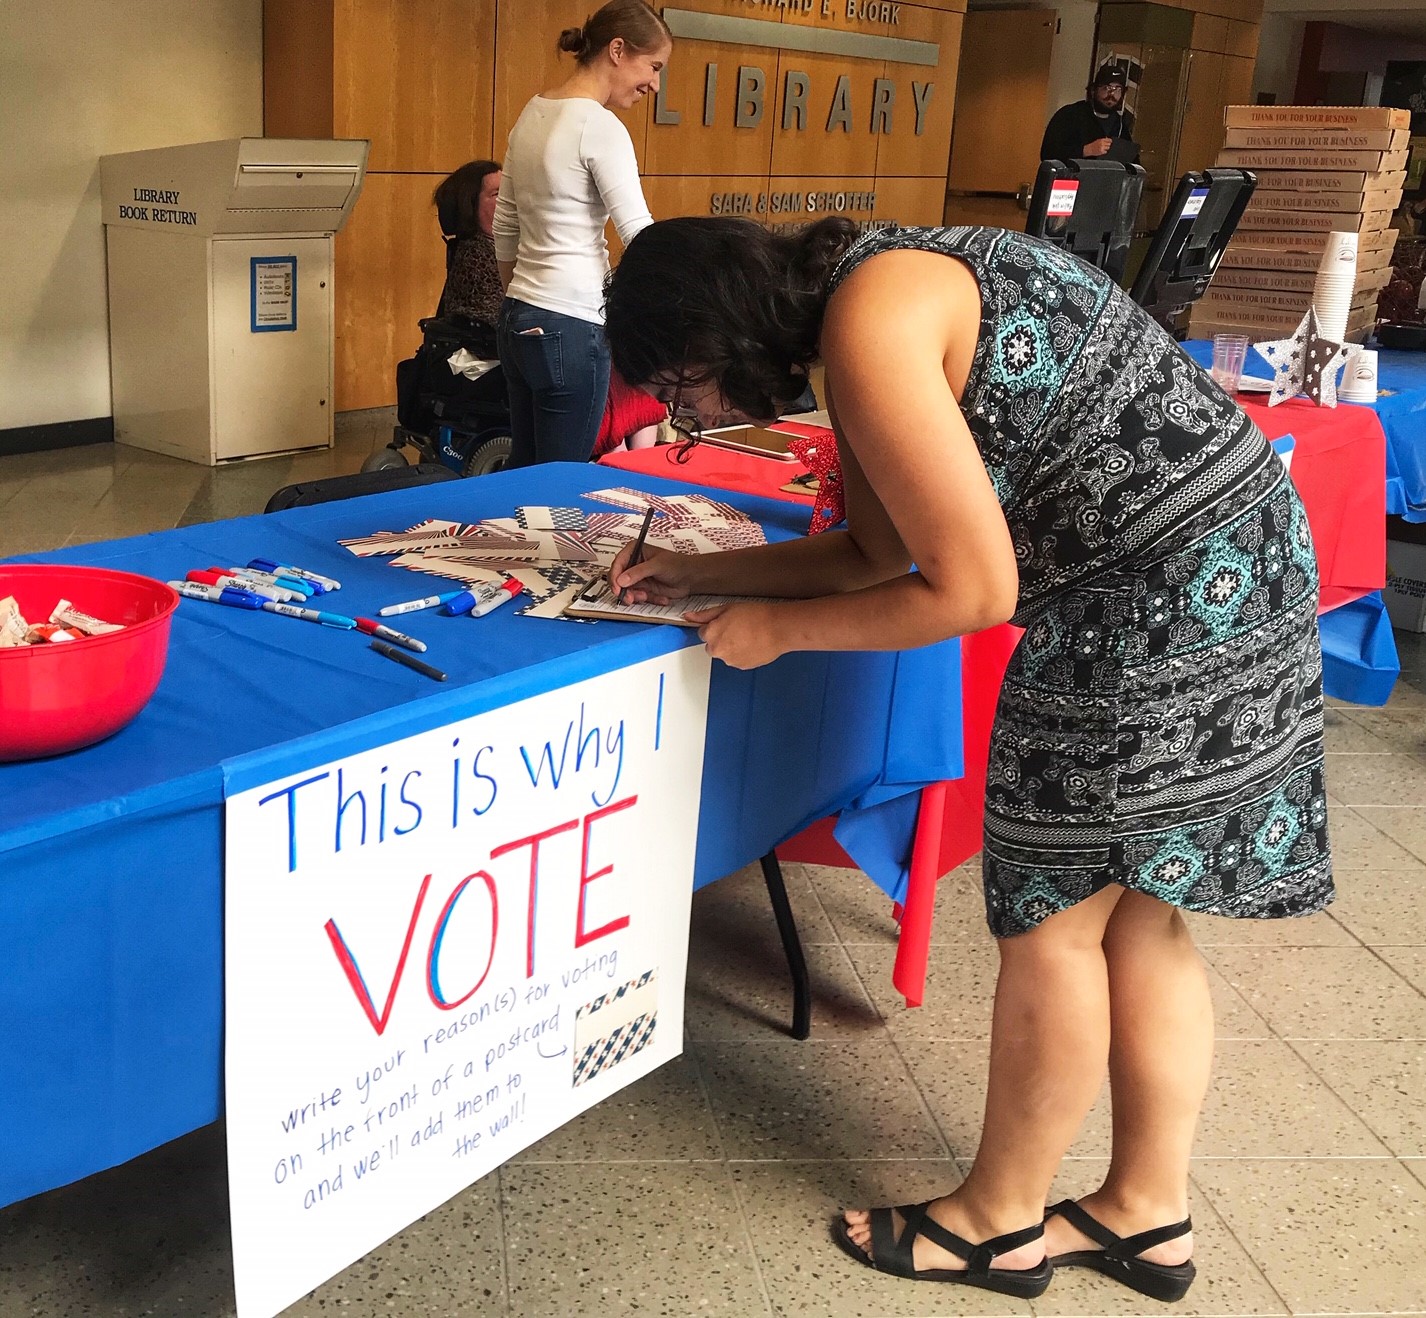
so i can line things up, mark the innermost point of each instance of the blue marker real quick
(294, 584)
(287, 570)
(236, 599)
(475, 600)
(462, 602)
(310, 615)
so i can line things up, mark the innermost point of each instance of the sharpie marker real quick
(295, 584)
(418, 665)
(503, 595)
(470, 600)
(411, 606)
(236, 599)
(287, 570)
(373, 628)
(212, 577)
(310, 615)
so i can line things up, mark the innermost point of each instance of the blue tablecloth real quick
(111, 939)
(1401, 405)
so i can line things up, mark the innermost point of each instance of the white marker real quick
(503, 595)
(411, 606)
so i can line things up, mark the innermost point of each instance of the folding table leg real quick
(791, 946)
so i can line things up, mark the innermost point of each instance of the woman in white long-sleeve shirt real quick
(568, 170)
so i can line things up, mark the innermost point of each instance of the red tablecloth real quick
(710, 465)
(1339, 468)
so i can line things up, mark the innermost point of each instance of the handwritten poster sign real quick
(440, 950)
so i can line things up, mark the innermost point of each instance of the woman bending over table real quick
(1014, 425)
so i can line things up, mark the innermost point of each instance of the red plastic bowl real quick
(59, 697)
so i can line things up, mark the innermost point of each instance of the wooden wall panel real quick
(814, 197)
(722, 147)
(1243, 39)
(1202, 131)
(1247, 10)
(297, 38)
(1005, 70)
(433, 83)
(417, 79)
(389, 268)
(909, 200)
(527, 62)
(1237, 88)
(670, 195)
(904, 151)
(998, 212)
(814, 148)
(1210, 33)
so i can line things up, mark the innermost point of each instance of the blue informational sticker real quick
(274, 293)
(1194, 204)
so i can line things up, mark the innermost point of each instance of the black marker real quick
(638, 555)
(401, 657)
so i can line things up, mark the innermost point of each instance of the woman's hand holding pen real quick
(659, 578)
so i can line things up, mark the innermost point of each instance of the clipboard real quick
(597, 601)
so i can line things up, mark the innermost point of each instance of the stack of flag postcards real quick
(556, 552)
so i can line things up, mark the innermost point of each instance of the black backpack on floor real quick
(331, 488)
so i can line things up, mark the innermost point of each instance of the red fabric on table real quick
(626, 410)
(710, 465)
(1339, 469)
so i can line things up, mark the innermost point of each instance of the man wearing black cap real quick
(1096, 126)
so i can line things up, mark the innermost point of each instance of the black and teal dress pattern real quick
(1160, 724)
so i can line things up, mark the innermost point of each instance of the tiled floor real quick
(707, 1188)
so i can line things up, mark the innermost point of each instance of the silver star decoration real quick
(1307, 363)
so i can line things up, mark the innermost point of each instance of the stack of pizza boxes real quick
(1321, 169)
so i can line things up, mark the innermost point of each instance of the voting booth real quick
(220, 293)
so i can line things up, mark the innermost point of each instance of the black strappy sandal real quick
(1119, 1257)
(892, 1255)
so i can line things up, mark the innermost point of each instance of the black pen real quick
(401, 657)
(638, 555)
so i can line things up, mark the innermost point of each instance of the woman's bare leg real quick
(1160, 1054)
(1049, 1046)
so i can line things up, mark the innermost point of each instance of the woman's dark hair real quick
(457, 198)
(726, 301)
(641, 28)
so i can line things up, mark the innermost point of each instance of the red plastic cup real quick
(63, 695)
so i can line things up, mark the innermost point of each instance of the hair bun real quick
(820, 245)
(573, 40)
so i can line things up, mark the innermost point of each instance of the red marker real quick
(373, 628)
(215, 577)
(502, 594)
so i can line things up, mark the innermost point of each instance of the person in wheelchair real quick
(457, 419)
(465, 207)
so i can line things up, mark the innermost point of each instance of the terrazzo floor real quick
(707, 1188)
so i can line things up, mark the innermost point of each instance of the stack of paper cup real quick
(1336, 280)
(1359, 377)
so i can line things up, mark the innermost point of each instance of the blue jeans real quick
(558, 381)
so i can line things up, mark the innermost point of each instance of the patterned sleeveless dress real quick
(1160, 725)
